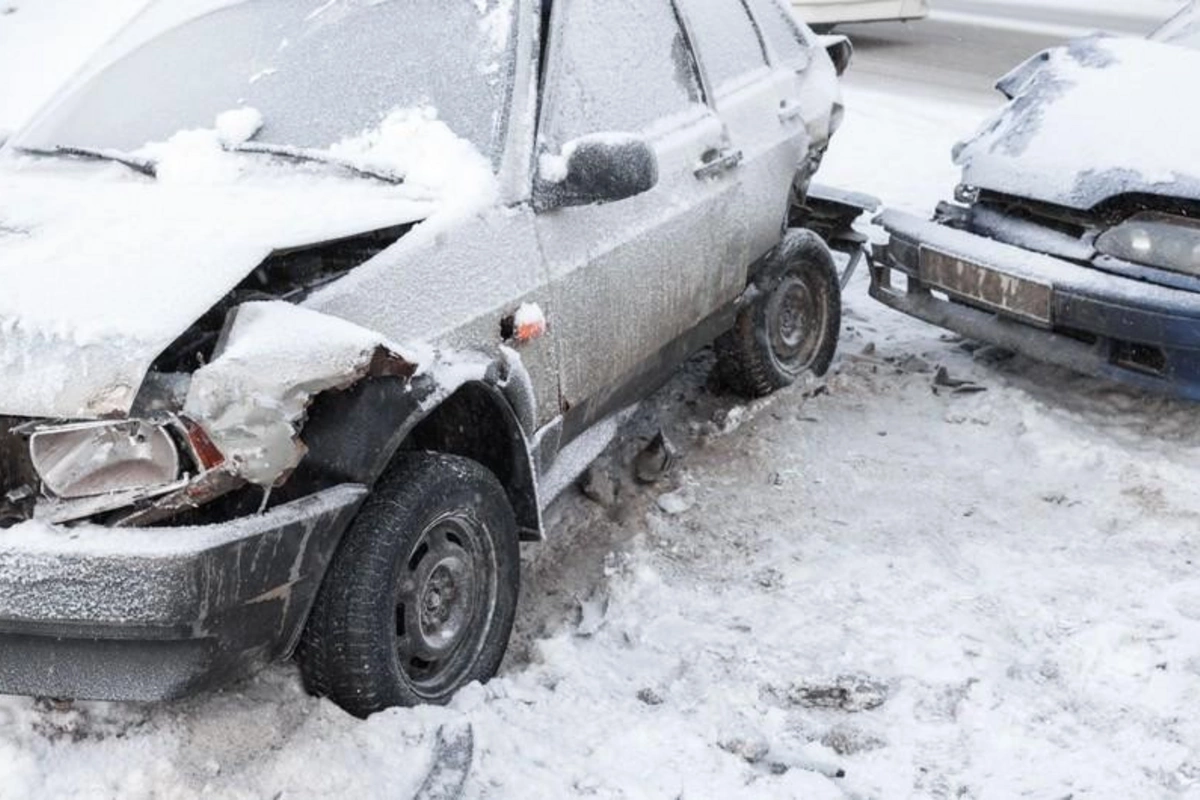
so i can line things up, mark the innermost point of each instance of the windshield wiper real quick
(144, 166)
(304, 155)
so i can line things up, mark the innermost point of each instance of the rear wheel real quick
(791, 326)
(421, 595)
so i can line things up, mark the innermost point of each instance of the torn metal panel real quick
(273, 359)
(90, 299)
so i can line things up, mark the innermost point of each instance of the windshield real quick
(319, 71)
(1183, 29)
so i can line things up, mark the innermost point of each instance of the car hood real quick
(1095, 119)
(100, 272)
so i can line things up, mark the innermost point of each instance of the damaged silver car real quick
(310, 308)
(1075, 238)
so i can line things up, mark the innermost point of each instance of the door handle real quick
(790, 112)
(719, 161)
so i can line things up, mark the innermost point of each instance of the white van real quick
(822, 15)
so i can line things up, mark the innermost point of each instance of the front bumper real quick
(157, 613)
(1095, 323)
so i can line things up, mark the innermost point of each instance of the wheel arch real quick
(478, 422)
(353, 435)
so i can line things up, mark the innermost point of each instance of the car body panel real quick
(762, 110)
(150, 614)
(1096, 119)
(90, 300)
(1099, 323)
(834, 12)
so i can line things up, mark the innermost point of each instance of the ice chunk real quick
(238, 126)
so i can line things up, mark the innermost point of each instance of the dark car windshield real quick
(319, 71)
(1183, 29)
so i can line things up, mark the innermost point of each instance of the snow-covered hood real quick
(1092, 120)
(100, 271)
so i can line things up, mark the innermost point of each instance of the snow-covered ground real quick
(874, 587)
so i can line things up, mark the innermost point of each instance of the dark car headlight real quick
(95, 458)
(1155, 240)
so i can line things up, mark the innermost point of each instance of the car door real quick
(760, 104)
(630, 278)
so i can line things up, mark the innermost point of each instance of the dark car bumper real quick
(1049, 309)
(153, 614)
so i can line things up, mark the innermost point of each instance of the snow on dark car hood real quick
(100, 272)
(1092, 120)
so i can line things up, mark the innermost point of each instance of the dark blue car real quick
(1075, 238)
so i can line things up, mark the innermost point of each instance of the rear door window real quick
(727, 41)
(781, 31)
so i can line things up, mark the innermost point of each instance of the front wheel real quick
(420, 597)
(792, 323)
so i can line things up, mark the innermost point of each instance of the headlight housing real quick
(1155, 240)
(88, 459)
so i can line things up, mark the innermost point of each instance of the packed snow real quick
(875, 586)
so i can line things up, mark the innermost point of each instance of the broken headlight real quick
(1155, 240)
(94, 458)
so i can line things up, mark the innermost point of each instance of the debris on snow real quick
(591, 614)
(752, 749)
(656, 460)
(677, 502)
(598, 485)
(846, 740)
(851, 693)
(942, 379)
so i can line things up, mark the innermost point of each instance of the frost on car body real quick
(274, 358)
(1137, 139)
(378, 246)
(1077, 236)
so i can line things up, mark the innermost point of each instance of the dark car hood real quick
(100, 272)
(1095, 119)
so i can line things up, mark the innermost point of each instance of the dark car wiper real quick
(142, 165)
(314, 157)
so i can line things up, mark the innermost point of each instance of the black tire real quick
(421, 594)
(791, 325)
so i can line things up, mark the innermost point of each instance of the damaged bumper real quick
(1049, 309)
(153, 614)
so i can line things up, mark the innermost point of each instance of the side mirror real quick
(603, 168)
(840, 50)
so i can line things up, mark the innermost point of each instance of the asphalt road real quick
(951, 59)
(961, 60)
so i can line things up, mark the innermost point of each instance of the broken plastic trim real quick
(89, 459)
(55, 452)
